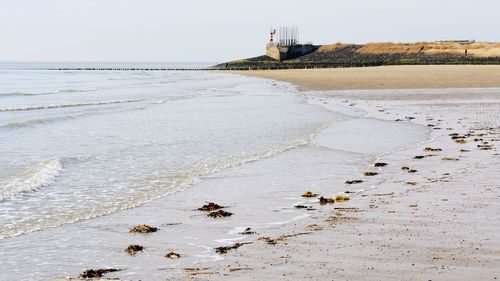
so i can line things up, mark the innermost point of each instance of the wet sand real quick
(389, 77)
(439, 222)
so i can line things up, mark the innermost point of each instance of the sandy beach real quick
(420, 167)
(388, 77)
(435, 214)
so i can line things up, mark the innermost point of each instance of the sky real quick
(220, 30)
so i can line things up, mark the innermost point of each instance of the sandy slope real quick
(389, 77)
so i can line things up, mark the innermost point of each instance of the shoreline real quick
(331, 239)
(435, 227)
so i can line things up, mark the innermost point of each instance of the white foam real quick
(42, 93)
(51, 106)
(32, 179)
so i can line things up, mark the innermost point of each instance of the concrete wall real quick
(273, 51)
(290, 52)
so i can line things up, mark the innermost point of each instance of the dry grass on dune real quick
(479, 49)
(391, 48)
(332, 47)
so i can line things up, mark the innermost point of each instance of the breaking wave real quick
(37, 120)
(51, 169)
(31, 179)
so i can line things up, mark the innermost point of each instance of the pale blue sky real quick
(218, 30)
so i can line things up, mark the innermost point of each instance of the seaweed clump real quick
(225, 249)
(411, 171)
(353, 181)
(309, 194)
(341, 198)
(308, 208)
(220, 214)
(133, 249)
(485, 146)
(210, 207)
(172, 255)
(96, 273)
(247, 231)
(143, 228)
(269, 240)
(324, 201)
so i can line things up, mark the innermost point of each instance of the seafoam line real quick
(52, 106)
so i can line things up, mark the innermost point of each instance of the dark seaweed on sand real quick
(133, 249)
(210, 207)
(220, 214)
(143, 228)
(225, 249)
(96, 273)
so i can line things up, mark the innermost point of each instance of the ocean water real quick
(75, 145)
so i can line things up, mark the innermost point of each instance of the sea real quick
(76, 144)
